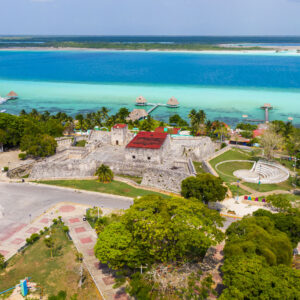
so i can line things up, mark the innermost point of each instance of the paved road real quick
(19, 200)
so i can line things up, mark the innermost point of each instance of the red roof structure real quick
(119, 126)
(148, 140)
(167, 130)
(258, 132)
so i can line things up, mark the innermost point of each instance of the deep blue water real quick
(266, 71)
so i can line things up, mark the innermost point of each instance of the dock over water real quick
(155, 106)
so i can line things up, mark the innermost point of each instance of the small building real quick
(12, 95)
(119, 134)
(170, 130)
(239, 140)
(140, 101)
(148, 147)
(173, 102)
(137, 114)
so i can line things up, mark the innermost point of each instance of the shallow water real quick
(226, 86)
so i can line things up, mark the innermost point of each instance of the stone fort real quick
(162, 159)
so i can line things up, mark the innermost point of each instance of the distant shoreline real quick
(215, 51)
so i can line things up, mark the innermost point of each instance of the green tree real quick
(104, 174)
(2, 139)
(197, 120)
(80, 119)
(258, 236)
(156, 229)
(2, 262)
(178, 121)
(49, 242)
(204, 187)
(251, 278)
(38, 145)
(288, 223)
(147, 124)
(280, 202)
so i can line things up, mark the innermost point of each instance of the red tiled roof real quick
(118, 126)
(148, 140)
(162, 129)
(258, 132)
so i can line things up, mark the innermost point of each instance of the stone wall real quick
(63, 169)
(164, 179)
(195, 148)
(20, 171)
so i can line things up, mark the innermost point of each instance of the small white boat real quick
(3, 111)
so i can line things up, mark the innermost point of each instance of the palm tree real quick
(104, 174)
(80, 119)
(202, 116)
(104, 113)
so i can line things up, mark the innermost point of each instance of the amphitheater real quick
(264, 172)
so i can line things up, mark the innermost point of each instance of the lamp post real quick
(237, 191)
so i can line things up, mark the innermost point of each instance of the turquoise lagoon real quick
(226, 86)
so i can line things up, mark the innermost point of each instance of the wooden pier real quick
(155, 106)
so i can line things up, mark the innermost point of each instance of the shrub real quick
(223, 145)
(66, 229)
(55, 221)
(5, 169)
(33, 238)
(2, 262)
(81, 143)
(22, 156)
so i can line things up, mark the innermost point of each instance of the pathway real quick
(255, 193)
(22, 202)
(83, 236)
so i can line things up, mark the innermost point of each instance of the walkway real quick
(83, 236)
(20, 203)
(255, 193)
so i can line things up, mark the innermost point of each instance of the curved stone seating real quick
(265, 172)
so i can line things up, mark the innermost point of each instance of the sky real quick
(150, 17)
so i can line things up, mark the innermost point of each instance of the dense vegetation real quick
(204, 187)
(258, 254)
(153, 232)
(126, 46)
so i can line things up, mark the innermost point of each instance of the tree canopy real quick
(104, 173)
(155, 229)
(253, 278)
(204, 187)
(258, 236)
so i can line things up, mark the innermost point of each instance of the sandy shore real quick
(267, 47)
(235, 51)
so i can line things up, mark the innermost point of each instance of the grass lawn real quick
(136, 179)
(234, 190)
(232, 154)
(198, 167)
(285, 186)
(114, 187)
(226, 170)
(287, 163)
(53, 274)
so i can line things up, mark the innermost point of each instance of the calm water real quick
(225, 85)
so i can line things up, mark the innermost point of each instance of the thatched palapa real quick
(137, 114)
(12, 95)
(140, 101)
(173, 102)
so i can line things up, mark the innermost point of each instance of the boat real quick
(3, 111)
